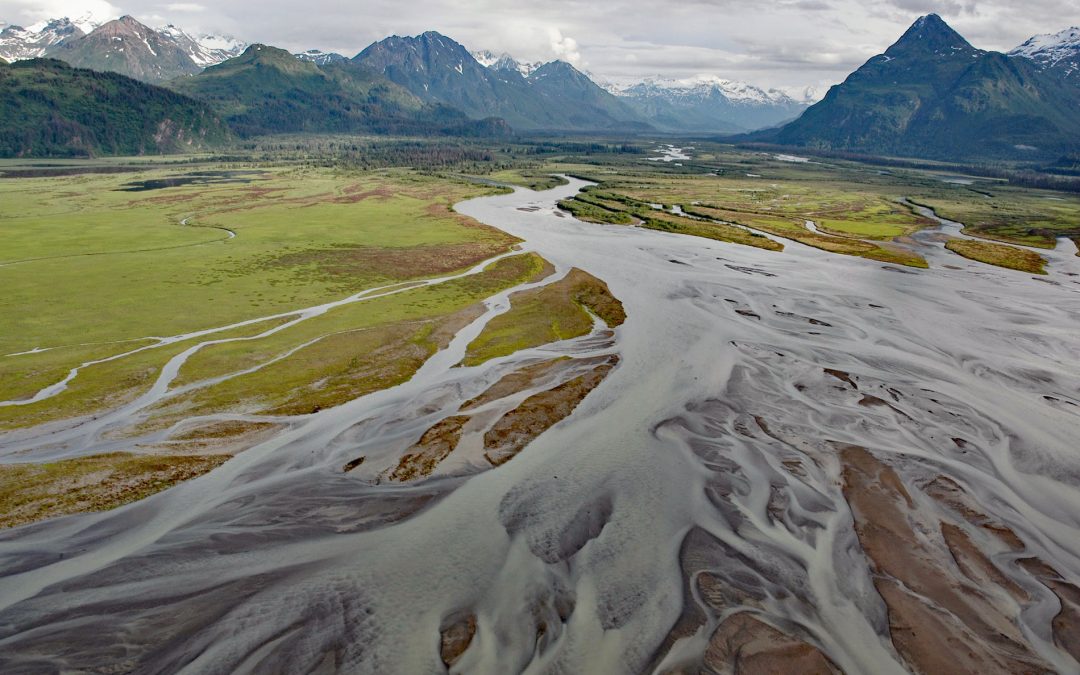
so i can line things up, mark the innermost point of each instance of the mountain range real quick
(709, 104)
(932, 94)
(123, 46)
(1058, 53)
(554, 96)
(489, 87)
(267, 90)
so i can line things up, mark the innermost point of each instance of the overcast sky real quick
(789, 44)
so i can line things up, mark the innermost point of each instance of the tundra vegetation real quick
(838, 205)
(241, 243)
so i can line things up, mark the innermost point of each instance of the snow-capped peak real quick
(505, 62)
(1051, 48)
(204, 50)
(700, 86)
(89, 21)
(17, 43)
(485, 58)
(226, 43)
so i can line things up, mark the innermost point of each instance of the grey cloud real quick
(783, 43)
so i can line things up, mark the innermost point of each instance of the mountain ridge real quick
(267, 90)
(932, 94)
(438, 69)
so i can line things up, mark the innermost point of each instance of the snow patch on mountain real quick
(704, 86)
(1051, 49)
(485, 58)
(204, 50)
(320, 58)
(18, 43)
(504, 61)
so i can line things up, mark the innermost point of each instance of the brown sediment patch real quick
(1066, 623)
(224, 429)
(974, 563)
(352, 464)
(748, 313)
(455, 636)
(746, 645)
(842, 376)
(433, 447)
(870, 401)
(810, 320)
(949, 493)
(33, 492)
(699, 553)
(938, 620)
(515, 382)
(536, 414)
(692, 617)
(217, 438)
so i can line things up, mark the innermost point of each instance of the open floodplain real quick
(745, 410)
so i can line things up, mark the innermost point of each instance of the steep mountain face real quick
(708, 104)
(128, 47)
(581, 100)
(267, 90)
(46, 38)
(1058, 53)
(320, 57)
(932, 94)
(439, 70)
(203, 50)
(49, 109)
(18, 43)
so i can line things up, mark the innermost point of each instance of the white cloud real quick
(185, 7)
(564, 47)
(26, 12)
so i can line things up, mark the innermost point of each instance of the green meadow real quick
(856, 207)
(91, 270)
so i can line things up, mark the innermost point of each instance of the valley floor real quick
(402, 432)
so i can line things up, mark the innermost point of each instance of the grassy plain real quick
(121, 265)
(1009, 214)
(94, 271)
(557, 311)
(91, 270)
(855, 206)
(343, 354)
(723, 190)
(1001, 255)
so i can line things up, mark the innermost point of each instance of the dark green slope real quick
(267, 90)
(580, 102)
(50, 109)
(934, 95)
(439, 70)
